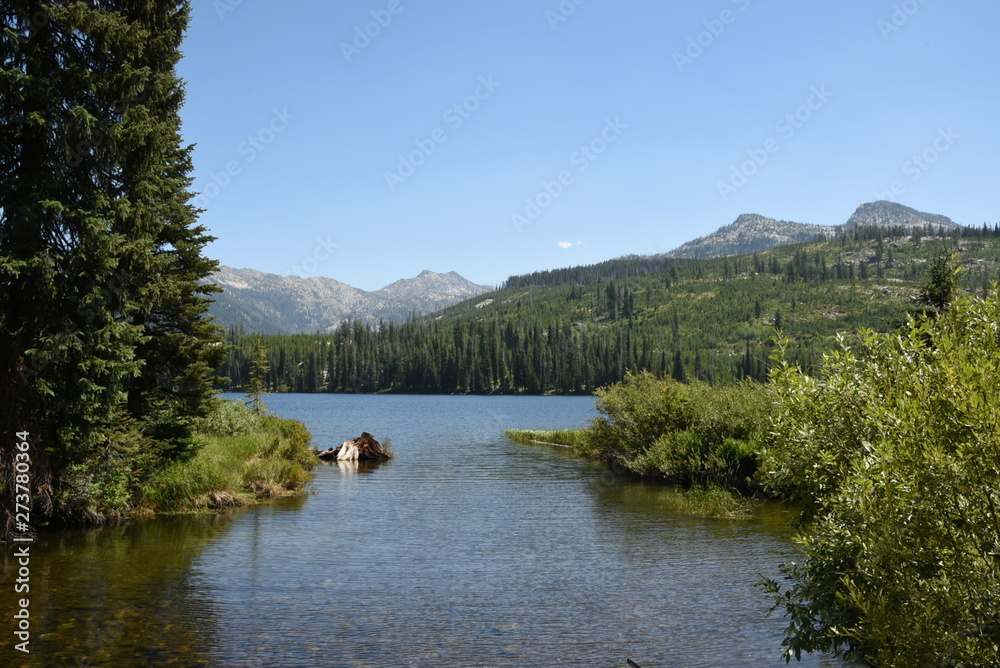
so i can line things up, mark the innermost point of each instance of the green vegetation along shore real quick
(241, 457)
(709, 501)
(891, 448)
(704, 440)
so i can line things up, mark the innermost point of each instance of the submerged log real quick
(363, 448)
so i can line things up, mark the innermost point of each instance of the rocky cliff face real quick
(292, 305)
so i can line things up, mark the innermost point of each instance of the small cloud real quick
(565, 244)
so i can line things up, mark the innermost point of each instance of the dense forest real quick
(575, 330)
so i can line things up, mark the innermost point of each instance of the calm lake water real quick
(466, 550)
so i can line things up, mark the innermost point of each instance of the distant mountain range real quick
(292, 305)
(752, 233)
(273, 304)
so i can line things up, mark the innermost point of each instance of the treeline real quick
(644, 265)
(473, 356)
(619, 268)
(709, 320)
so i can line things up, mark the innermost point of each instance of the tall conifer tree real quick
(104, 337)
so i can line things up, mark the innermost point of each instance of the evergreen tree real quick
(107, 350)
(678, 373)
(259, 368)
(940, 284)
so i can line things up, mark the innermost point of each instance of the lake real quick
(465, 550)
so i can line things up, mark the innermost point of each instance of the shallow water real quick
(467, 549)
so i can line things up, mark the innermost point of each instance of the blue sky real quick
(371, 139)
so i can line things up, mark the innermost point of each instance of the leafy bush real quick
(895, 451)
(639, 411)
(691, 434)
(227, 418)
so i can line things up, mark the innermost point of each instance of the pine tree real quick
(103, 326)
(678, 373)
(940, 283)
(259, 368)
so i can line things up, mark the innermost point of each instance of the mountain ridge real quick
(273, 304)
(749, 233)
(884, 213)
(753, 233)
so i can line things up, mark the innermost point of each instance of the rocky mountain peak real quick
(749, 233)
(291, 305)
(752, 232)
(891, 214)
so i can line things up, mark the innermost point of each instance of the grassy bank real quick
(238, 458)
(573, 438)
(709, 502)
(244, 458)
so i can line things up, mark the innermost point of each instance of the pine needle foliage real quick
(106, 351)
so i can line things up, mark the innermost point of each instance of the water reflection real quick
(496, 555)
(120, 596)
(355, 466)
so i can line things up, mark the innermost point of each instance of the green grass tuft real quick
(568, 437)
(710, 502)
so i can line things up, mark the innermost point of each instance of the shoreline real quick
(243, 460)
(710, 500)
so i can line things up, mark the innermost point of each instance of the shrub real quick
(227, 418)
(691, 434)
(895, 450)
(639, 411)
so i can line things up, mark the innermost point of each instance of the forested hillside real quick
(574, 330)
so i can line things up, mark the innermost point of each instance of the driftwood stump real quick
(363, 448)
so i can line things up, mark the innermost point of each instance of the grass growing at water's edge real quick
(705, 440)
(710, 502)
(244, 458)
(568, 437)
